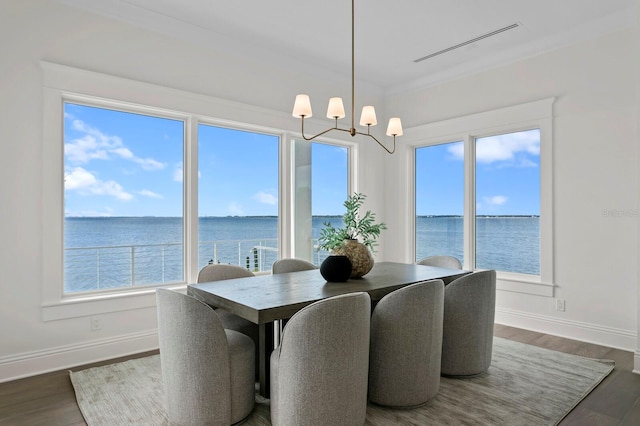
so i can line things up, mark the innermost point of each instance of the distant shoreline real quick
(275, 217)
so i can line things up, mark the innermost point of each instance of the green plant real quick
(363, 229)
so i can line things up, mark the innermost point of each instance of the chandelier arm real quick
(321, 133)
(380, 143)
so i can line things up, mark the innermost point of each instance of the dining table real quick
(265, 299)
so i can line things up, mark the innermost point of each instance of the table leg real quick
(266, 347)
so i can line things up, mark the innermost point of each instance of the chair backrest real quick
(441, 261)
(282, 266)
(221, 271)
(190, 330)
(322, 364)
(469, 315)
(406, 345)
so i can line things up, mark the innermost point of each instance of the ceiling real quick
(315, 36)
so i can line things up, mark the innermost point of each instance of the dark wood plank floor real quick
(616, 401)
(49, 399)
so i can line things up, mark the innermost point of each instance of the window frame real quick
(113, 105)
(351, 151)
(66, 84)
(527, 116)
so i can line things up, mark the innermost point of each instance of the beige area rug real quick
(525, 385)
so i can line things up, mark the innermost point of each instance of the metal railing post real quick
(133, 266)
(163, 277)
(98, 267)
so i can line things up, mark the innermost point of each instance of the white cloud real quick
(123, 152)
(265, 198)
(150, 194)
(178, 173)
(95, 145)
(496, 200)
(83, 181)
(507, 147)
(87, 213)
(84, 150)
(513, 149)
(457, 150)
(149, 163)
(235, 209)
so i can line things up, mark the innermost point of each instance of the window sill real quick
(82, 306)
(521, 283)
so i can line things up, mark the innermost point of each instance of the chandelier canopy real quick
(302, 107)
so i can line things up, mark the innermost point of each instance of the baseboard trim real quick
(636, 362)
(576, 330)
(55, 359)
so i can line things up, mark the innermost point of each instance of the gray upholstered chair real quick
(319, 371)
(207, 371)
(441, 262)
(406, 345)
(467, 333)
(282, 266)
(220, 271)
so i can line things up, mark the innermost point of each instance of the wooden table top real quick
(265, 298)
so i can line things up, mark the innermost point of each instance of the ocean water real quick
(505, 243)
(103, 253)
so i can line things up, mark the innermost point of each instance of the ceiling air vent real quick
(473, 40)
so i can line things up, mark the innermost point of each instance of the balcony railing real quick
(111, 267)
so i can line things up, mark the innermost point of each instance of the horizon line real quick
(274, 216)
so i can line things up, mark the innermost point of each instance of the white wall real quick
(595, 168)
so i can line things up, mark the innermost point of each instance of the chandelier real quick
(302, 107)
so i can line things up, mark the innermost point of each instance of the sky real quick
(507, 176)
(124, 164)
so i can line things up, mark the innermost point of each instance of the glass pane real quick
(321, 179)
(123, 208)
(329, 189)
(508, 202)
(237, 198)
(440, 200)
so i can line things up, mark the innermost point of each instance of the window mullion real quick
(469, 202)
(190, 178)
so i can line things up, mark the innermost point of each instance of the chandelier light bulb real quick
(368, 116)
(302, 107)
(395, 127)
(336, 108)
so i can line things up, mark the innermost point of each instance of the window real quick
(483, 193)
(439, 200)
(121, 188)
(123, 223)
(329, 188)
(507, 204)
(322, 185)
(507, 201)
(237, 197)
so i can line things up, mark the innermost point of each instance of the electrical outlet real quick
(95, 324)
(560, 305)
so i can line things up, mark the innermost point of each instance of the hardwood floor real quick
(49, 399)
(616, 401)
